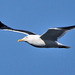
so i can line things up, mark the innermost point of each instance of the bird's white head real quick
(30, 38)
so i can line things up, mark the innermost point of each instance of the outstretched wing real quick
(54, 33)
(4, 27)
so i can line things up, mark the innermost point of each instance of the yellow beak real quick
(20, 40)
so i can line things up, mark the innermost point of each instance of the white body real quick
(36, 41)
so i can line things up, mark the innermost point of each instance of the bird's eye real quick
(26, 37)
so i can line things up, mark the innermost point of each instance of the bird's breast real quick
(36, 42)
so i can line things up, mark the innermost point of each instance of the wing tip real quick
(1, 25)
(68, 27)
(62, 46)
(0, 22)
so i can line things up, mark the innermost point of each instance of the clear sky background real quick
(36, 16)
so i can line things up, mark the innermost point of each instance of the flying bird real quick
(47, 40)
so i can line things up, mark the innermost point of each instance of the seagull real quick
(47, 40)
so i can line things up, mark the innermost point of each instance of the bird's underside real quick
(58, 46)
(47, 44)
(46, 40)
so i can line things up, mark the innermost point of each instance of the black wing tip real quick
(1, 22)
(62, 46)
(1, 25)
(68, 27)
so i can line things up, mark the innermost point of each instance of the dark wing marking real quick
(55, 33)
(67, 28)
(4, 27)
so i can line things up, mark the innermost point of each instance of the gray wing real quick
(55, 33)
(4, 27)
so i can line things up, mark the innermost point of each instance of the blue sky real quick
(36, 16)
